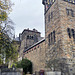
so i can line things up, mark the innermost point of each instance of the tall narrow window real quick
(51, 15)
(69, 34)
(72, 13)
(49, 18)
(54, 35)
(49, 39)
(73, 33)
(28, 37)
(73, 55)
(67, 11)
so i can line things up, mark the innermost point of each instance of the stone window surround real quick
(70, 12)
(71, 33)
(50, 16)
(30, 37)
(51, 38)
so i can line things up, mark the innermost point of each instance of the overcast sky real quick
(28, 14)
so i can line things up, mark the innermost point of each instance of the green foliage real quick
(26, 65)
(3, 14)
(53, 64)
(7, 48)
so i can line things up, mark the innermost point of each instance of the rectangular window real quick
(73, 55)
(67, 11)
(72, 13)
(49, 18)
(51, 15)
(54, 35)
(73, 33)
(68, 31)
(49, 39)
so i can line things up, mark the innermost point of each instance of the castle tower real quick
(28, 38)
(60, 33)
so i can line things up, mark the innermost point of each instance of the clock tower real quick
(60, 34)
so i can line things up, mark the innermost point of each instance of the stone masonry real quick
(59, 42)
(28, 38)
(36, 53)
(60, 30)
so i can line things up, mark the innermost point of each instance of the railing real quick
(11, 71)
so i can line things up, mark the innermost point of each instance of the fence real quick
(11, 72)
(52, 73)
(48, 73)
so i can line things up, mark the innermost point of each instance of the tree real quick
(3, 14)
(7, 50)
(59, 64)
(53, 64)
(5, 7)
(26, 65)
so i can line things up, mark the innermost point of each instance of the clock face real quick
(70, 1)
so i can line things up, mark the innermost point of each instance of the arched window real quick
(32, 37)
(68, 31)
(28, 37)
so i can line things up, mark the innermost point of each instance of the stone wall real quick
(28, 38)
(54, 49)
(60, 17)
(67, 21)
(36, 53)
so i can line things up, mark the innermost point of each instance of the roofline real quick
(34, 44)
(31, 31)
(43, 2)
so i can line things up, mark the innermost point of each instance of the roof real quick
(34, 44)
(34, 30)
(17, 39)
(43, 2)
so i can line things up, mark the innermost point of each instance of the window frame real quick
(69, 32)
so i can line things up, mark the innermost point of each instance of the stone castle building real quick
(27, 39)
(36, 53)
(59, 44)
(60, 33)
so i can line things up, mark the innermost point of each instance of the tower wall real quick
(60, 33)
(28, 38)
